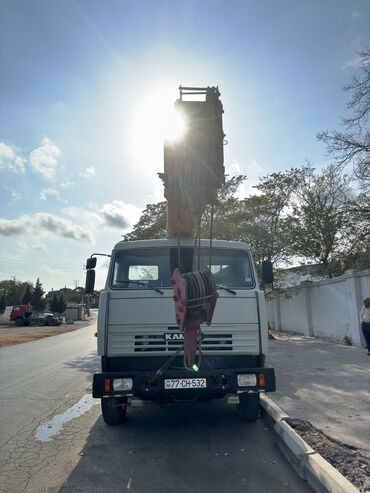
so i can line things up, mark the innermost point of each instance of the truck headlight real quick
(122, 383)
(247, 380)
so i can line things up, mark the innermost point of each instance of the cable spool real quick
(195, 298)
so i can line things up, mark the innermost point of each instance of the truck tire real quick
(249, 406)
(19, 322)
(113, 410)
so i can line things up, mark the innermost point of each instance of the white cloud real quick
(42, 222)
(49, 192)
(45, 159)
(88, 173)
(117, 214)
(10, 159)
(23, 247)
(87, 217)
(253, 170)
(49, 271)
(67, 184)
(14, 193)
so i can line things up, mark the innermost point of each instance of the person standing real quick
(365, 322)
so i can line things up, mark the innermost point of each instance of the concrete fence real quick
(328, 308)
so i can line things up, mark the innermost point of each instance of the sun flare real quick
(155, 121)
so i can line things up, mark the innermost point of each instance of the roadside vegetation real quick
(13, 292)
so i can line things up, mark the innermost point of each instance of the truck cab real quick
(141, 345)
(21, 315)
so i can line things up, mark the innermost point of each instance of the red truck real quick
(21, 315)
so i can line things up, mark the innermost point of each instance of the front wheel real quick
(249, 406)
(19, 322)
(113, 409)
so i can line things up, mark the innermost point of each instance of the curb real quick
(310, 466)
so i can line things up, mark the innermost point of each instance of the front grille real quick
(157, 342)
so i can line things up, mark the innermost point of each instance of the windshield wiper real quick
(144, 284)
(226, 289)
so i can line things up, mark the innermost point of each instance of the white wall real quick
(328, 308)
(4, 318)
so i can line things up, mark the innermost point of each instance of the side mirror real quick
(91, 263)
(90, 282)
(267, 273)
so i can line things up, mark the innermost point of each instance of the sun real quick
(155, 121)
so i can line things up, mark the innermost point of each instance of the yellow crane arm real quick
(194, 165)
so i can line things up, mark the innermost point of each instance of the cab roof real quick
(184, 242)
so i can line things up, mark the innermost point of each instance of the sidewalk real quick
(325, 383)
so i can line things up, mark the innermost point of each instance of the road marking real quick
(129, 484)
(46, 430)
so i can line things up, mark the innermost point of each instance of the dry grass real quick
(10, 335)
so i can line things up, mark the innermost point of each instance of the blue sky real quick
(79, 78)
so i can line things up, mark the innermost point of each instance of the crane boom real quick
(194, 165)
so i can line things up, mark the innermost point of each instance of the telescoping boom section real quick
(194, 165)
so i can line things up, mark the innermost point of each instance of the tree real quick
(226, 213)
(351, 147)
(267, 220)
(76, 296)
(152, 223)
(27, 295)
(38, 302)
(54, 304)
(295, 214)
(11, 292)
(62, 305)
(320, 215)
(14, 290)
(2, 303)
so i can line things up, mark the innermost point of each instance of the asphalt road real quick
(183, 448)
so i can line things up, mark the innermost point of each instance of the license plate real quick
(185, 383)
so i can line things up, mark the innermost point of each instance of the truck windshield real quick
(154, 267)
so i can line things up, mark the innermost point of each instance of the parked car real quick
(46, 319)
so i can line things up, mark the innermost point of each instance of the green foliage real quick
(75, 296)
(38, 302)
(319, 209)
(267, 221)
(152, 223)
(54, 305)
(2, 303)
(298, 213)
(27, 295)
(14, 291)
(62, 305)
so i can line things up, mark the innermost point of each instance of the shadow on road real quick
(182, 448)
(88, 363)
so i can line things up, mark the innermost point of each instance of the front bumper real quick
(147, 386)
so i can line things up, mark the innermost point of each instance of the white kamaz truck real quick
(139, 339)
